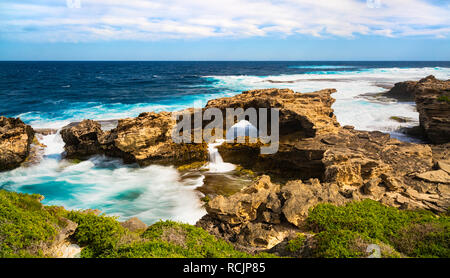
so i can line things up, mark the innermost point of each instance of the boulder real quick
(15, 140)
(134, 224)
(402, 91)
(298, 197)
(82, 139)
(243, 206)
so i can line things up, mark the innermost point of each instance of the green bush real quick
(25, 224)
(371, 220)
(297, 243)
(173, 239)
(98, 233)
(339, 244)
(424, 240)
(444, 98)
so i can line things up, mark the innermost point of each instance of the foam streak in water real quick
(216, 164)
(350, 108)
(150, 193)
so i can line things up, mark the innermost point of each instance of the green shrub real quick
(97, 232)
(372, 220)
(339, 244)
(168, 239)
(444, 98)
(424, 240)
(297, 243)
(25, 224)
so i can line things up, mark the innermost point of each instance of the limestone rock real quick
(299, 197)
(301, 114)
(432, 99)
(61, 247)
(257, 215)
(148, 138)
(444, 165)
(145, 139)
(402, 91)
(82, 139)
(15, 140)
(263, 235)
(242, 207)
(134, 224)
(435, 176)
(68, 230)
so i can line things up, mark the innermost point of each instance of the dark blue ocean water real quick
(41, 92)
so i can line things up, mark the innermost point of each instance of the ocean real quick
(53, 94)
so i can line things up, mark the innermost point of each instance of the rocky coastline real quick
(318, 162)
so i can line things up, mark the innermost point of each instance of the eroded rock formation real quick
(402, 91)
(432, 97)
(333, 165)
(15, 140)
(82, 139)
(265, 214)
(145, 139)
(301, 115)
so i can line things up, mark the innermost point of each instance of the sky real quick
(225, 30)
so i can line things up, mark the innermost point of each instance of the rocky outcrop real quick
(301, 114)
(15, 140)
(432, 99)
(145, 139)
(265, 214)
(355, 161)
(61, 246)
(134, 224)
(348, 157)
(333, 165)
(148, 139)
(247, 218)
(82, 139)
(402, 91)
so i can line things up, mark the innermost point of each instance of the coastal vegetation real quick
(416, 233)
(26, 225)
(444, 98)
(28, 229)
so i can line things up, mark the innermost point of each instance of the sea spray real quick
(216, 164)
(350, 108)
(150, 193)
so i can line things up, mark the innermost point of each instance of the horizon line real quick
(224, 60)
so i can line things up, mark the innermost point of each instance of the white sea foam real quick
(150, 193)
(322, 67)
(349, 108)
(216, 163)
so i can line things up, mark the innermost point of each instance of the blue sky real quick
(224, 30)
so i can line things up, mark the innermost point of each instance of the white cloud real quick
(53, 20)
